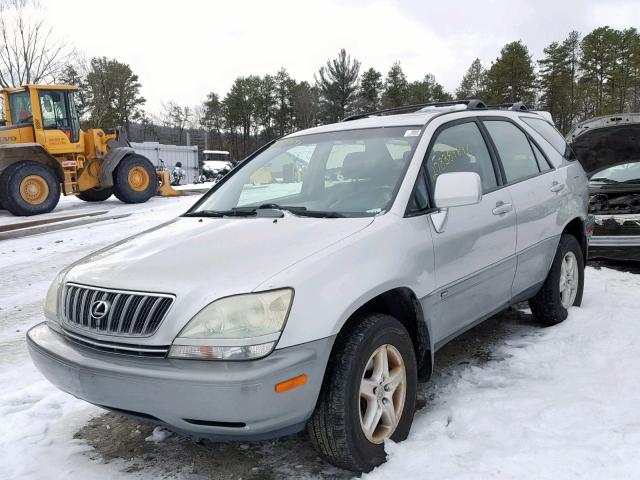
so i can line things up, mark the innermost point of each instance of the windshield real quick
(624, 173)
(346, 173)
(20, 105)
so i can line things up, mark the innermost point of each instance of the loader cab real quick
(52, 114)
(59, 113)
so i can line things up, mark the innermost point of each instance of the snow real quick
(563, 403)
(39, 421)
(158, 435)
(553, 403)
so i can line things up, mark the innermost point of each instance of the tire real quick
(134, 180)
(29, 188)
(547, 306)
(95, 194)
(335, 428)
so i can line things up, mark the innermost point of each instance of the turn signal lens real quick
(292, 383)
(204, 352)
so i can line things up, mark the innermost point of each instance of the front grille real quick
(127, 314)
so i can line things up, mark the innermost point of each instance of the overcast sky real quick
(184, 49)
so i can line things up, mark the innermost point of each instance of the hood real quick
(213, 256)
(603, 142)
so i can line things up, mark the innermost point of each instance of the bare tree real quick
(29, 53)
(176, 118)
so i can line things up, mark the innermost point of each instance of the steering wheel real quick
(369, 194)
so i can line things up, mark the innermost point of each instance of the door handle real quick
(556, 187)
(502, 208)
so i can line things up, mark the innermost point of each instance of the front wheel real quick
(134, 180)
(368, 395)
(564, 284)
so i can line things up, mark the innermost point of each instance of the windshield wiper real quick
(603, 180)
(253, 211)
(319, 214)
(275, 206)
(234, 212)
(632, 180)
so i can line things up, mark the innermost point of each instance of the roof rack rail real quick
(516, 106)
(472, 104)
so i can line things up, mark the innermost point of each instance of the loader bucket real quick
(164, 185)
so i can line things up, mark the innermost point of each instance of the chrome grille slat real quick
(74, 301)
(136, 313)
(83, 304)
(113, 309)
(125, 310)
(130, 314)
(154, 307)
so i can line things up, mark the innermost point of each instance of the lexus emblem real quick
(99, 309)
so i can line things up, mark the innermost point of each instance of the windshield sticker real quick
(412, 133)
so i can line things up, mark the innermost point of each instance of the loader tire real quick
(29, 188)
(134, 180)
(95, 194)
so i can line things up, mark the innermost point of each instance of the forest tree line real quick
(577, 78)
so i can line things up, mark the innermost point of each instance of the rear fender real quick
(12, 153)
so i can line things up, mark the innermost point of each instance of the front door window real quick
(57, 113)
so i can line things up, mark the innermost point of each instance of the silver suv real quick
(312, 286)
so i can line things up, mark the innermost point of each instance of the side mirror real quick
(457, 189)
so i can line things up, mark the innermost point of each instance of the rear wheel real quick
(95, 194)
(134, 180)
(564, 284)
(368, 395)
(29, 188)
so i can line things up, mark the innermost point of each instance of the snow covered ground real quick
(554, 403)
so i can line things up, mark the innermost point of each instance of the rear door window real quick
(514, 150)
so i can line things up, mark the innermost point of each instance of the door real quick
(537, 191)
(474, 247)
(60, 121)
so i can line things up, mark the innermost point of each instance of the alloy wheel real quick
(569, 279)
(382, 393)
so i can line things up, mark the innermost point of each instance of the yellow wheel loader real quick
(43, 152)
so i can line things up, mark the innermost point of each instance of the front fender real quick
(334, 283)
(110, 162)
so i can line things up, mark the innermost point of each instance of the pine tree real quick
(370, 91)
(474, 82)
(555, 84)
(511, 78)
(426, 90)
(337, 82)
(284, 85)
(598, 65)
(396, 87)
(113, 94)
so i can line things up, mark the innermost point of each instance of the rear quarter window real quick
(549, 133)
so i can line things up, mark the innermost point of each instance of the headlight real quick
(51, 300)
(235, 328)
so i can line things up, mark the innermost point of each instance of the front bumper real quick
(205, 399)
